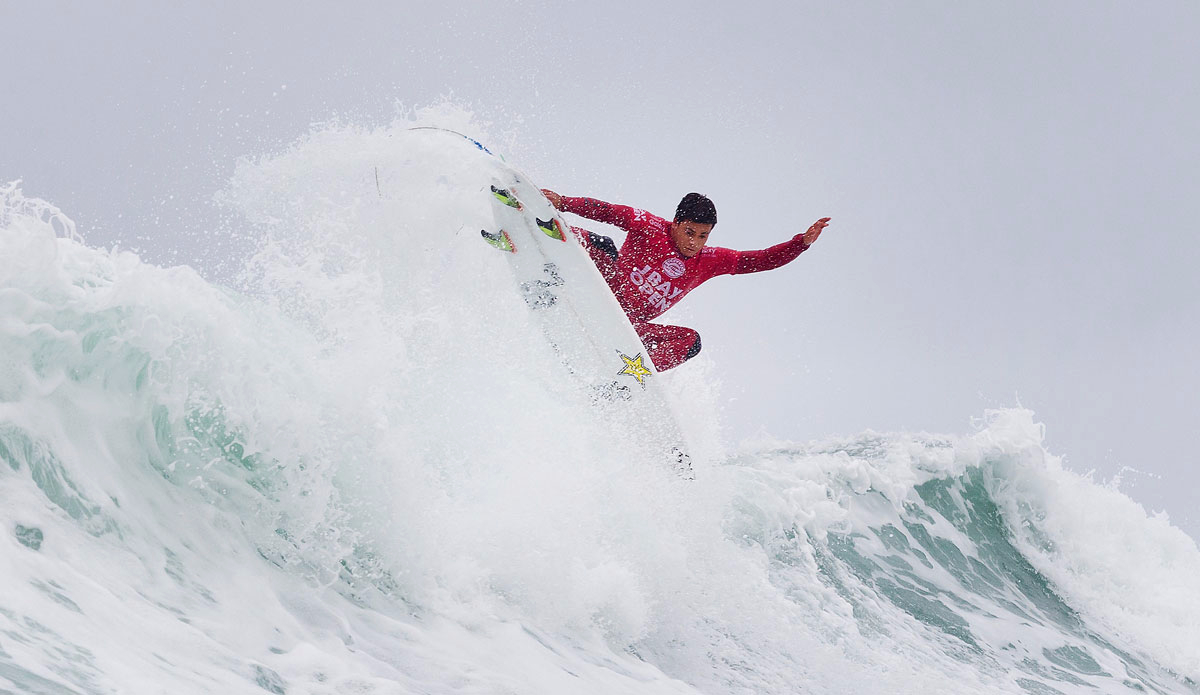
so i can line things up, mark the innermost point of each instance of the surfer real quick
(660, 262)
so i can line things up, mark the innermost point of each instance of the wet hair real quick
(696, 207)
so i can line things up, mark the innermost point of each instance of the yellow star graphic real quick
(634, 368)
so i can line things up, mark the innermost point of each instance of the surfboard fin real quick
(552, 227)
(507, 198)
(500, 240)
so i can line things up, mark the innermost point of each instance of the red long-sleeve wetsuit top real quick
(651, 276)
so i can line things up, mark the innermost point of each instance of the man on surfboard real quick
(660, 262)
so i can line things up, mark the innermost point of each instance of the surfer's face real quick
(689, 237)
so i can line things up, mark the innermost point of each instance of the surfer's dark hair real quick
(696, 207)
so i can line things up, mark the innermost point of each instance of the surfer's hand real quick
(814, 232)
(554, 198)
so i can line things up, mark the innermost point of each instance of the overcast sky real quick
(1013, 185)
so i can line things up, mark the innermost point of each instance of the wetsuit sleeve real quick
(771, 258)
(623, 216)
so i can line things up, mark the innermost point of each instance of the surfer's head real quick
(695, 218)
(696, 207)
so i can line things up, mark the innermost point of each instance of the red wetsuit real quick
(649, 275)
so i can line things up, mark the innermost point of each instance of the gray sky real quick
(1012, 185)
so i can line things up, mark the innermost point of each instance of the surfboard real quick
(576, 310)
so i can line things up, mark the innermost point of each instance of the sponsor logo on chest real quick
(656, 287)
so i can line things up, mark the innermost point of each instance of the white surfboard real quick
(576, 309)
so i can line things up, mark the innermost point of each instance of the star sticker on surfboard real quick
(634, 368)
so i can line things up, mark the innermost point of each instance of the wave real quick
(354, 472)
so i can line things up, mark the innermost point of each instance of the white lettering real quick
(658, 290)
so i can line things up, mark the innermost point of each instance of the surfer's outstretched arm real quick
(627, 218)
(779, 254)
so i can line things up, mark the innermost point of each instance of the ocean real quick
(358, 468)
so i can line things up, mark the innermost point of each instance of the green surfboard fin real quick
(500, 240)
(552, 228)
(507, 198)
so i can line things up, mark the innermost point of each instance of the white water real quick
(357, 474)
